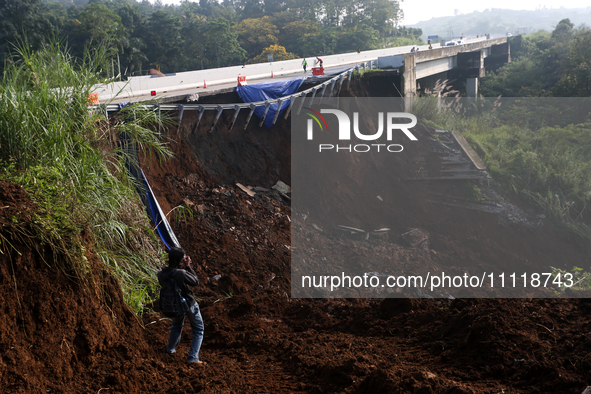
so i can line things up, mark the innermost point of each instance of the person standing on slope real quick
(179, 270)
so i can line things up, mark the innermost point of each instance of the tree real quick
(307, 9)
(20, 19)
(563, 31)
(271, 7)
(228, 13)
(323, 42)
(278, 52)
(281, 19)
(557, 47)
(383, 14)
(520, 78)
(354, 13)
(334, 11)
(194, 31)
(131, 46)
(206, 7)
(250, 9)
(556, 64)
(256, 34)
(131, 18)
(162, 37)
(521, 46)
(96, 24)
(575, 80)
(146, 8)
(292, 34)
(132, 56)
(409, 32)
(56, 17)
(364, 38)
(222, 46)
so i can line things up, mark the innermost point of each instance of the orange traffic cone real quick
(204, 84)
(272, 74)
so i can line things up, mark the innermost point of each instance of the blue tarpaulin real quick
(146, 194)
(269, 91)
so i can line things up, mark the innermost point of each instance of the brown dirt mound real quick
(59, 336)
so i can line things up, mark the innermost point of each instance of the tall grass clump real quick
(66, 156)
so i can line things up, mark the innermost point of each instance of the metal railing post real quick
(267, 105)
(279, 104)
(217, 117)
(288, 110)
(323, 90)
(181, 110)
(314, 90)
(332, 87)
(201, 111)
(349, 76)
(252, 108)
(303, 96)
(236, 109)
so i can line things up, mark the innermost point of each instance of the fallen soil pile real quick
(59, 336)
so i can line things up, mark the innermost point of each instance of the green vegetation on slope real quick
(545, 64)
(537, 148)
(67, 158)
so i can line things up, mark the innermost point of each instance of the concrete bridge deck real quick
(414, 65)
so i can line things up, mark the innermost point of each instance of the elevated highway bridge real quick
(468, 59)
(471, 57)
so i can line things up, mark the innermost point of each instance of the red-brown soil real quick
(57, 336)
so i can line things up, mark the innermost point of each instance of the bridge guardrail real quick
(112, 108)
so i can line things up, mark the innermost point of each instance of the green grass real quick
(67, 158)
(530, 151)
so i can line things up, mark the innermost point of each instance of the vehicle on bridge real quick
(453, 43)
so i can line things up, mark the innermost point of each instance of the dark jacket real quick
(183, 278)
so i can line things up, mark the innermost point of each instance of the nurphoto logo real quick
(391, 120)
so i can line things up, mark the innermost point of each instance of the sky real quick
(417, 10)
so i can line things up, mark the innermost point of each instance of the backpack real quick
(172, 303)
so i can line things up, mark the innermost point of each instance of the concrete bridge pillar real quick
(499, 55)
(472, 87)
(472, 66)
(409, 81)
(409, 76)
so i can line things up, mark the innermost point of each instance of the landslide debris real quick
(59, 336)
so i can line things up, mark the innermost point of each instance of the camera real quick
(186, 261)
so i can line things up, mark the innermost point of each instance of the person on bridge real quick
(304, 64)
(180, 270)
(319, 61)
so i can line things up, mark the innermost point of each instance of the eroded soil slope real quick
(57, 336)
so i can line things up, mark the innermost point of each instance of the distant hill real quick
(501, 21)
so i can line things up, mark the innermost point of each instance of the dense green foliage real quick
(538, 145)
(536, 148)
(66, 157)
(545, 64)
(204, 33)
